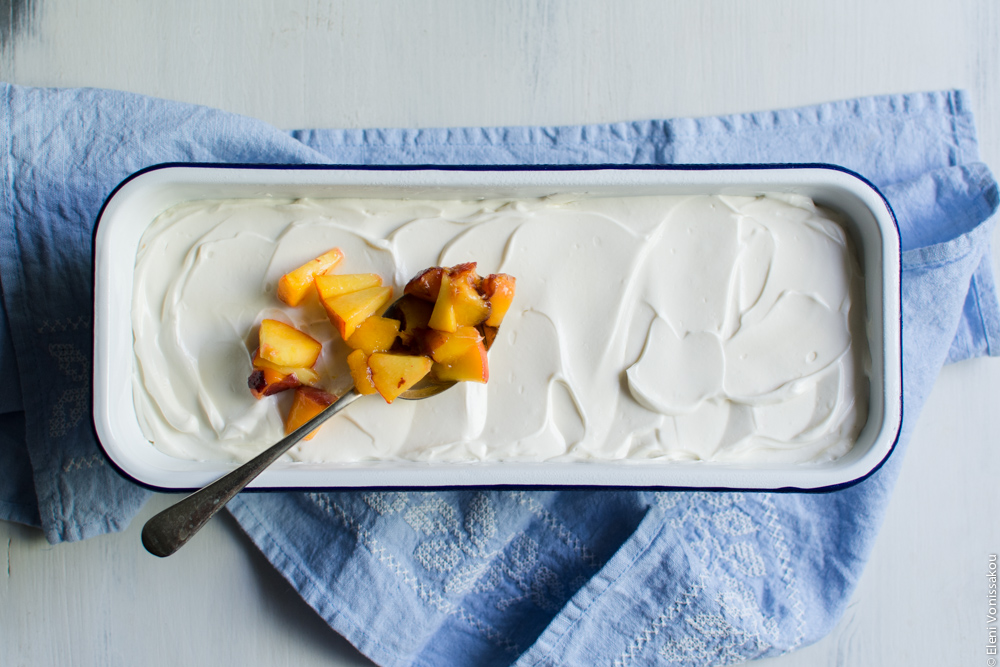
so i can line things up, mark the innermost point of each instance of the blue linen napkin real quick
(494, 577)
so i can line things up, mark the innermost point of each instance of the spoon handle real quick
(169, 530)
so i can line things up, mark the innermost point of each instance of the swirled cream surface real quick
(703, 328)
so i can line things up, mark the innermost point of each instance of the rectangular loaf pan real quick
(144, 195)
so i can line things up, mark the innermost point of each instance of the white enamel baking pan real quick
(146, 194)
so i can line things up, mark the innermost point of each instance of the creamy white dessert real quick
(718, 329)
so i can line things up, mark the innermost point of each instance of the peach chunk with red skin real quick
(267, 382)
(284, 359)
(463, 323)
(294, 285)
(268, 379)
(392, 374)
(499, 291)
(306, 404)
(461, 297)
(426, 284)
(305, 375)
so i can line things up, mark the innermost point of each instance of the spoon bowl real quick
(169, 530)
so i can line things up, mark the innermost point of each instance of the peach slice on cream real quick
(337, 284)
(350, 310)
(284, 345)
(293, 286)
(306, 404)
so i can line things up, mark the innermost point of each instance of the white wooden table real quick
(375, 63)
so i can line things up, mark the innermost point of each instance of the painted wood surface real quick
(922, 598)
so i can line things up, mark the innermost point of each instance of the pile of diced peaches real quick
(441, 328)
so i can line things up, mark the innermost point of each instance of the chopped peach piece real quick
(392, 374)
(443, 346)
(470, 307)
(304, 375)
(443, 315)
(469, 366)
(376, 334)
(293, 286)
(426, 284)
(357, 361)
(337, 284)
(284, 345)
(499, 291)
(465, 270)
(307, 403)
(349, 310)
(268, 381)
(458, 303)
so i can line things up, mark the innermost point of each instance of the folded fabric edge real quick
(952, 102)
(984, 286)
(22, 513)
(954, 250)
(313, 592)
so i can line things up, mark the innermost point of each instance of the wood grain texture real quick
(921, 600)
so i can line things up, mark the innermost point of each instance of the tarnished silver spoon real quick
(169, 530)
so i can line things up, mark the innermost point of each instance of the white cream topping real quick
(725, 329)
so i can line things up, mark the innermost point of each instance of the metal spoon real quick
(169, 530)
